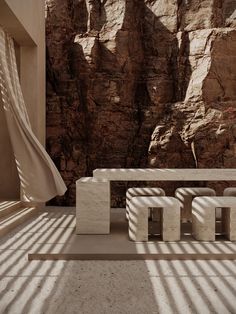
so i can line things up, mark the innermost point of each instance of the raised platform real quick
(61, 243)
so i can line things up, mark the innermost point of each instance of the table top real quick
(154, 174)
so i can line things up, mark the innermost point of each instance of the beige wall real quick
(24, 20)
(31, 15)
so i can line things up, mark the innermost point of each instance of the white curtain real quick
(40, 179)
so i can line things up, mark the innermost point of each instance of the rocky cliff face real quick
(140, 83)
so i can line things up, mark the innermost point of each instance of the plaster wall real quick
(25, 21)
(30, 14)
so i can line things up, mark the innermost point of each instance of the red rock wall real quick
(140, 83)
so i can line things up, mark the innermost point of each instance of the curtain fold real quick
(40, 179)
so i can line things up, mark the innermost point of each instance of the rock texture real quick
(140, 83)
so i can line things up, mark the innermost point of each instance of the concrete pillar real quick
(92, 206)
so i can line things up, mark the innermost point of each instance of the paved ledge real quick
(127, 257)
(64, 244)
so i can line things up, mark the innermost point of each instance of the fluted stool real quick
(138, 217)
(230, 192)
(132, 192)
(186, 195)
(203, 216)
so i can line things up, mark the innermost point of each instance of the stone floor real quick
(111, 287)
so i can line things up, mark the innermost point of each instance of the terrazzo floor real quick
(97, 287)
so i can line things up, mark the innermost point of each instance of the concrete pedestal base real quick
(92, 206)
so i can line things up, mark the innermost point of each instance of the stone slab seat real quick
(203, 217)
(138, 217)
(230, 191)
(186, 194)
(145, 191)
(92, 206)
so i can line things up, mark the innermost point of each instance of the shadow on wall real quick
(9, 184)
(90, 16)
(163, 80)
(229, 12)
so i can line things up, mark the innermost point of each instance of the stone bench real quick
(138, 217)
(186, 195)
(92, 206)
(131, 192)
(203, 217)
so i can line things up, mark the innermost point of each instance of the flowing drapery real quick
(40, 179)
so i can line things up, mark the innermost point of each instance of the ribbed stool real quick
(138, 217)
(203, 216)
(131, 192)
(230, 192)
(186, 195)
